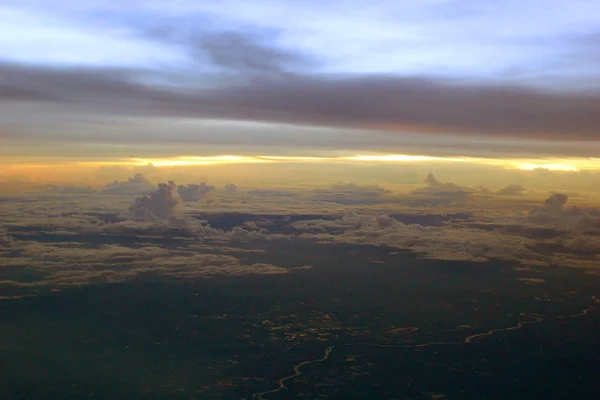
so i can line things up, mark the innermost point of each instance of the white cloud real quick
(512, 189)
(68, 264)
(5, 239)
(230, 188)
(159, 204)
(136, 185)
(450, 242)
(555, 212)
(193, 192)
(556, 202)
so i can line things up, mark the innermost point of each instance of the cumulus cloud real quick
(5, 239)
(443, 191)
(384, 221)
(556, 202)
(159, 204)
(230, 188)
(193, 192)
(70, 189)
(512, 189)
(430, 180)
(350, 193)
(136, 185)
(435, 186)
(245, 234)
(481, 189)
(574, 220)
(446, 243)
(551, 210)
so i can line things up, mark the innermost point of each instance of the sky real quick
(507, 84)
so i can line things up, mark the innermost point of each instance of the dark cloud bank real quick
(254, 84)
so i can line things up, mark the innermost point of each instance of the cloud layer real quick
(55, 238)
(388, 103)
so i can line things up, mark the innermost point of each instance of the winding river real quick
(534, 319)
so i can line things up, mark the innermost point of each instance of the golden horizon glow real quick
(295, 158)
(550, 167)
(404, 158)
(199, 160)
(565, 165)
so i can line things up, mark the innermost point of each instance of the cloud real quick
(85, 244)
(532, 280)
(384, 221)
(564, 236)
(512, 189)
(441, 192)
(589, 244)
(435, 186)
(350, 193)
(431, 181)
(390, 103)
(71, 264)
(556, 202)
(193, 192)
(551, 211)
(159, 204)
(5, 239)
(247, 52)
(354, 188)
(446, 243)
(572, 220)
(70, 189)
(136, 185)
(243, 52)
(244, 234)
(230, 188)
(271, 192)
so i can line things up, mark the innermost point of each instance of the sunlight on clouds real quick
(197, 160)
(182, 161)
(401, 157)
(284, 169)
(293, 158)
(567, 165)
(550, 167)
